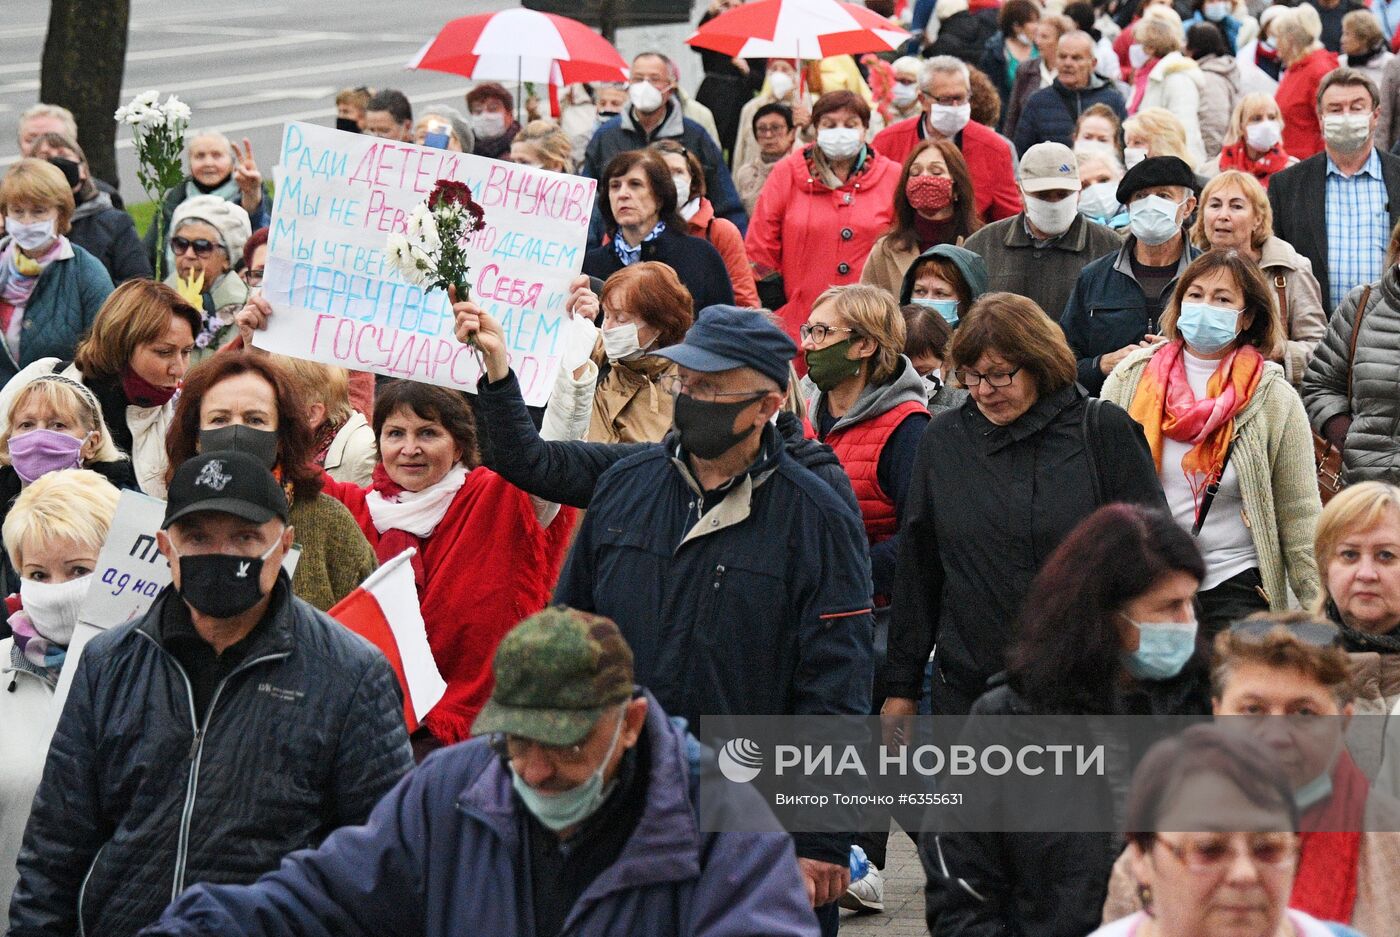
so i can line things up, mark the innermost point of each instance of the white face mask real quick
(1137, 56)
(53, 606)
(1216, 10)
(1053, 218)
(1264, 135)
(31, 236)
(1133, 155)
(690, 208)
(620, 343)
(1099, 201)
(840, 142)
(682, 188)
(1153, 219)
(949, 121)
(488, 125)
(904, 95)
(1346, 132)
(644, 97)
(781, 84)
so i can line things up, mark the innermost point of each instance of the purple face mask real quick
(40, 451)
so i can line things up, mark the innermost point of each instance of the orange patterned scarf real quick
(1166, 407)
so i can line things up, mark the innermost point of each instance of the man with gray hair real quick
(945, 89)
(1337, 208)
(1051, 113)
(44, 119)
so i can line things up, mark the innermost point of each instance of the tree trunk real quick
(84, 58)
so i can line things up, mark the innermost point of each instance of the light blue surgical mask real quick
(569, 808)
(1153, 219)
(1163, 649)
(947, 308)
(1314, 792)
(1208, 328)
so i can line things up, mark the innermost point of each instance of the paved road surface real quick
(247, 67)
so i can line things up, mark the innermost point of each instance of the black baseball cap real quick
(727, 337)
(228, 482)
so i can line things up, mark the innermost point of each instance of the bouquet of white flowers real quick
(159, 132)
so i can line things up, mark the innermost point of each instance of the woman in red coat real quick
(822, 208)
(488, 553)
(1307, 62)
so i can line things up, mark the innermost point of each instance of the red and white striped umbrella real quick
(798, 29)
(522, 45)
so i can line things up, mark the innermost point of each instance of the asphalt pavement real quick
(247, 68)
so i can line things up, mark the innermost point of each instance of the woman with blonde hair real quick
(1155, 131)
(1298, 33)
(53, 533)
(1172, 80)
(344, 445)
(543, 145)
(1253, 140)
(50, 289)
(1229, 438)
(1235, 215)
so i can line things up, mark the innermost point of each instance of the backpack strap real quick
(1089, 427)
(1355, 334)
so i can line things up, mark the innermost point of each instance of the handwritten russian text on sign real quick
(338, 300)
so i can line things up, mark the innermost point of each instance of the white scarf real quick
(417, 512)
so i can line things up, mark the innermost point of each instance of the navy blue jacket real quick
(446, 854)
(1051, 113)
(302, 737)
(1108, 311)
(698, 265)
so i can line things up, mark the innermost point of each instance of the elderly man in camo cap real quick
(574, 810)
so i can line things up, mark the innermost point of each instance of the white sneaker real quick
(866, 895)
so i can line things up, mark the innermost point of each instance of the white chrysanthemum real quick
(147, 98)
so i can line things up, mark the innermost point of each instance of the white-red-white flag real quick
(384, 610)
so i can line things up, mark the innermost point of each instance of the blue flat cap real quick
(727, 337)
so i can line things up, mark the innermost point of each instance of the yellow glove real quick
(191, 290)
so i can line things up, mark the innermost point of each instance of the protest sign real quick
(337, 299)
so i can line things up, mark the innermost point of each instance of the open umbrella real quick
(521, 45)
(798, 29)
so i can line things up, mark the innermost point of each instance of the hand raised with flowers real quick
(475, 326)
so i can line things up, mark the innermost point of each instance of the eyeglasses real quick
(1212, 854)
(956, 100)
(202, 246)
(1316, 633)
(770, 130)
(818, 333)
(676, 385)
(996, 379)
(253, 276)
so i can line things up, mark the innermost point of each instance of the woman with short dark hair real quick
(1229, 437)
(1108, 629)
(820, 211)
(998, 483)
(637, 198)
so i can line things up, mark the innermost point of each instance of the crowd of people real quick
(994, 375)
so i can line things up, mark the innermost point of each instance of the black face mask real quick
(70, 169)
(222, 586)
(707, 427)
(261, 444)
(347, 123)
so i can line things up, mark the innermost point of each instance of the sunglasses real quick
(202, 246)
(1309, 632)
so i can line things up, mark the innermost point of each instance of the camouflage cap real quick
(556, 673)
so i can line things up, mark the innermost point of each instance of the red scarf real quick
(1329, 860)
(1236, 156)
(142, 392)
(392, 542)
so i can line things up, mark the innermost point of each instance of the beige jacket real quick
(1175, 83)
(886, 266)
(631, 405)
(1278, 480)
(352, 454)
(1305, 318)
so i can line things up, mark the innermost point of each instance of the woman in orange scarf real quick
(1230, 438)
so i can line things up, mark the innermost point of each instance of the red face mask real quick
(929, 193)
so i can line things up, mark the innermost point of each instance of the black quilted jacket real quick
(136, 803)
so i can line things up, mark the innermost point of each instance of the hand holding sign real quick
(582, 300)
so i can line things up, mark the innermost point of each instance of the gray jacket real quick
(1372, 450)
(1220, 89)
(1044, 274)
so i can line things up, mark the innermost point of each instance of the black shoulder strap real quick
(1092, 436)
(1212, 487)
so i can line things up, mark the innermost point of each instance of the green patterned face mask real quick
(829, 366)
